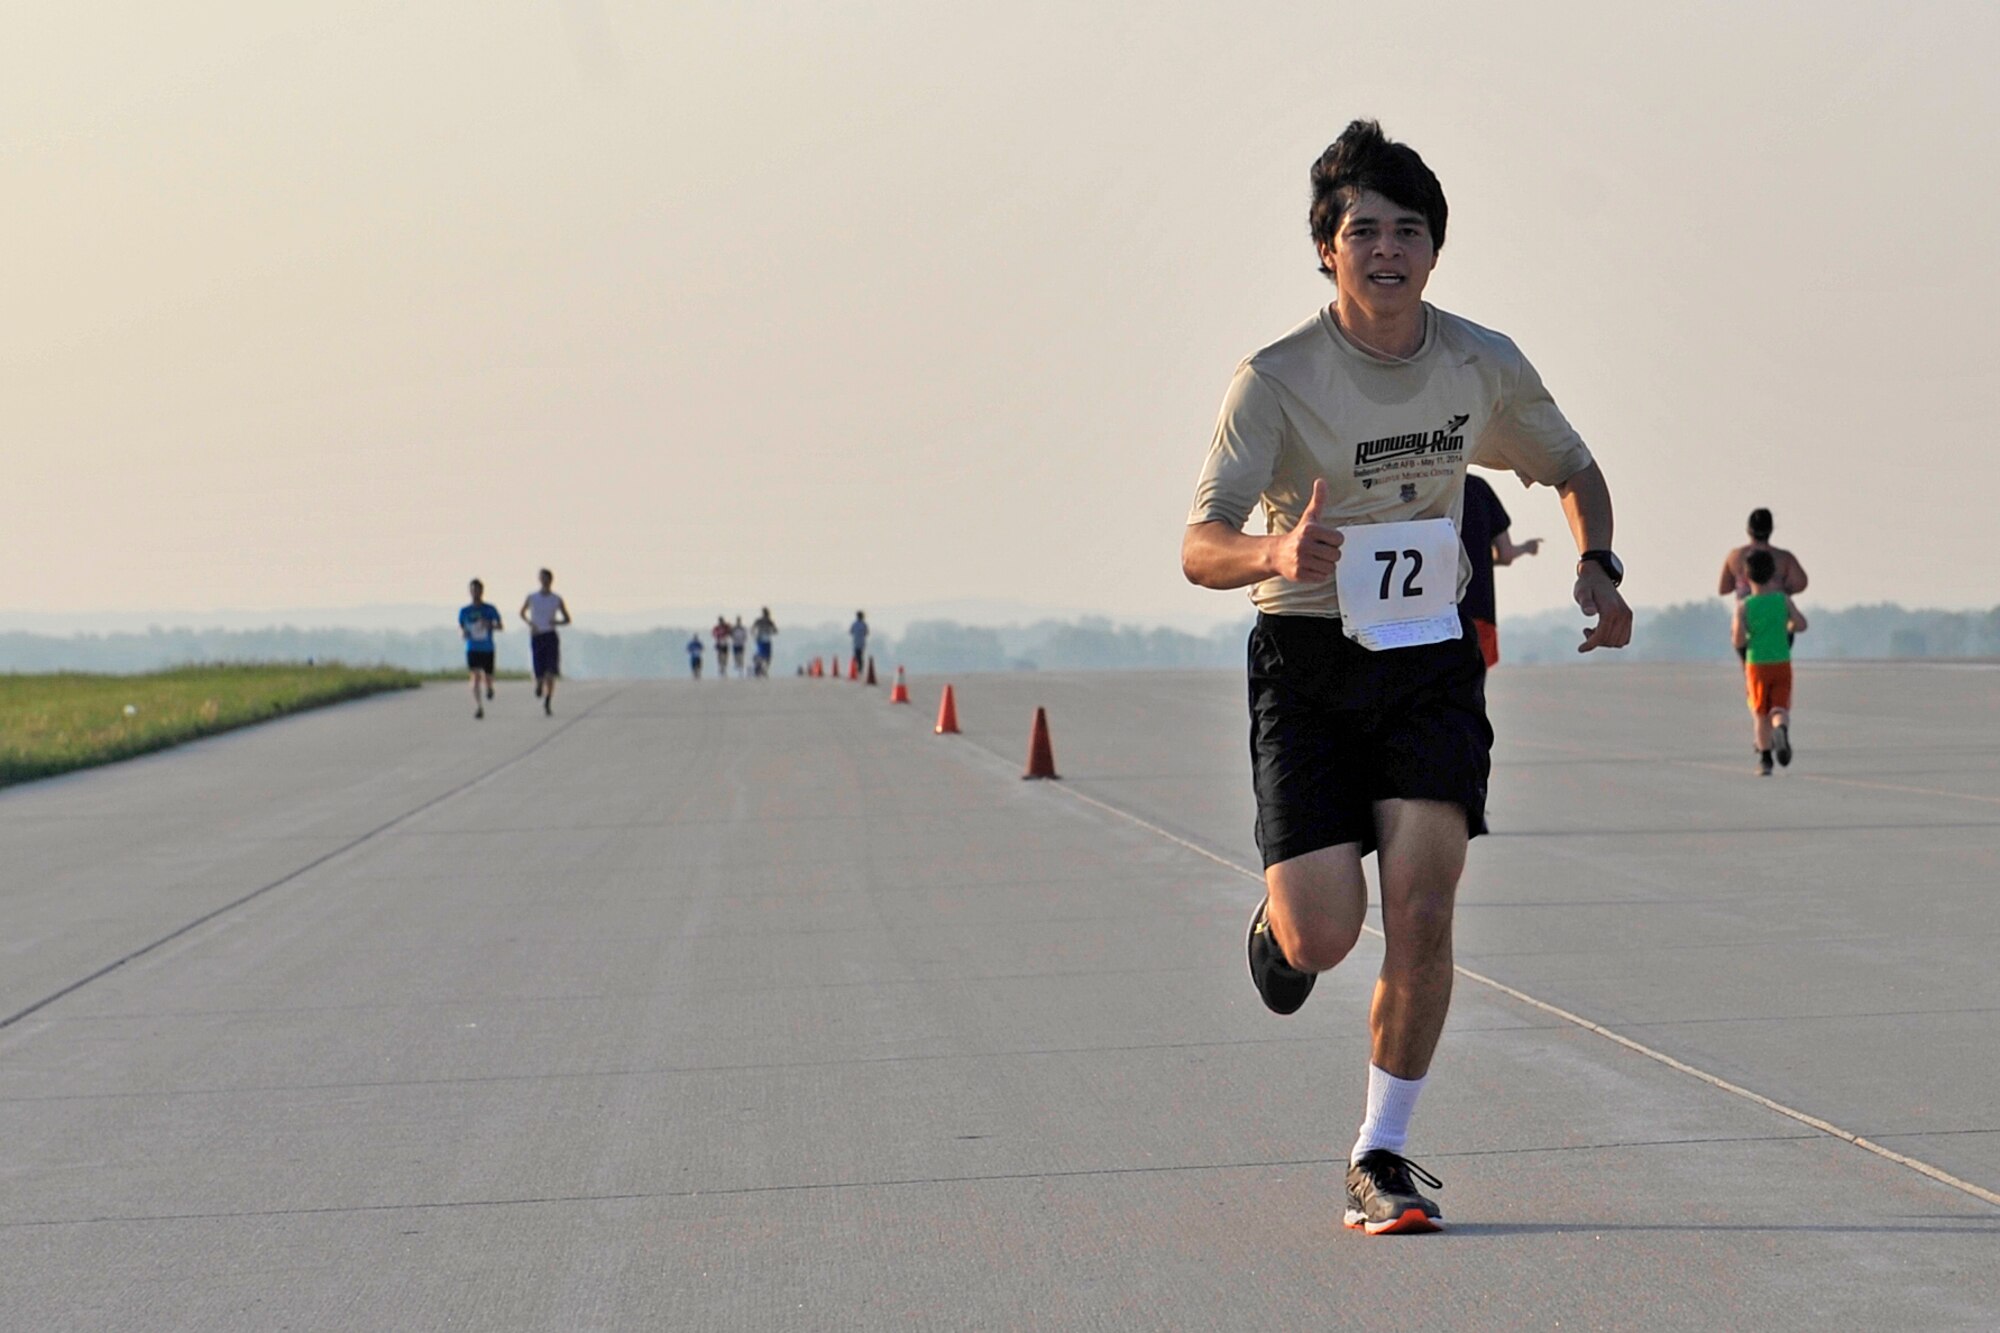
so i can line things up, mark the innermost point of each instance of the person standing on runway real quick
(1484, 532)
(739, 637)
(1367, 692)
(694, 647)
(478, 621)
(545, 610)
(858, 634)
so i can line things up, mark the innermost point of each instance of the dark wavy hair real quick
(1361, 159)
(1760, 524)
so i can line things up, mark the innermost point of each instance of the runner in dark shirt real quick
(1484, 532)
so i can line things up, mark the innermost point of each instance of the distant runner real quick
(1762, 630)
(1368, 723)
(478, 621)
(723, 637)
(1735, 579)
(1484, 532)
(858, 632)
(544, 611)
(738, 638)
(763, 630)
(694, 655)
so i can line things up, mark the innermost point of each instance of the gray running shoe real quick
(1382, 1198)
(1784, 746)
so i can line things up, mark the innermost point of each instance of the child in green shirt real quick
(1762, 631)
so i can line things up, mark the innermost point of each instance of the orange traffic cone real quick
(899, 693)
(871, 670)
(947, 723)
(815, 668)
(1041, 757)
(854, 668)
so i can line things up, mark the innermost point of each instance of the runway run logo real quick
(1415, 445)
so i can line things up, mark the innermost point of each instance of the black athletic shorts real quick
(479, 659)
(1335, 728)
(547, 649)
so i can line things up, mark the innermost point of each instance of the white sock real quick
(1391, 1103)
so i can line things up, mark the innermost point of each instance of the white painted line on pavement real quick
(1679, 1066)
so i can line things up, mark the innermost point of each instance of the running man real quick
(544, 611)
(763, 629)
(694, 655)
(1483, 529)
(858, 632)
(478, 621)
(1762, 630)
(723, 637)
(738, 637)
(1736, 580)
(1368, 727)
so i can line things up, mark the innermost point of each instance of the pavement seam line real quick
(309, 866)
(890, 1182)
(1827, 1127)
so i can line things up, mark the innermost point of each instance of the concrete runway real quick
(740, 1005)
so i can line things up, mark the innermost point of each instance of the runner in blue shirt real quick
(761, 631)
(477, 622)
(694, 656)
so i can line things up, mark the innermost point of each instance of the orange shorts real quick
(1489, 642)
(1770, 685)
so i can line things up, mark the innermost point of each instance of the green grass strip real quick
(53, 724)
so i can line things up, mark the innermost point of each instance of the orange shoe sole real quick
(1412, 1220)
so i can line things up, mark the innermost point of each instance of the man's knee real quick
(1318, 902)
(1318, 944)
(1416, 928)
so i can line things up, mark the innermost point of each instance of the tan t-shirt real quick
(1392, 438)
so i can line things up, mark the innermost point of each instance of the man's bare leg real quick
(1318, 903)
(1422, 855)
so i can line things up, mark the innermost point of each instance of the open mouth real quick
(1386, 279)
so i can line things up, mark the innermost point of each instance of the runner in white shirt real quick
(544, 611)
(1368, 717)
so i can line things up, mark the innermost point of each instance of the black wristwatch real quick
(1606, 561)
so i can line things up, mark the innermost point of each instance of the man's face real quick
(1381, 257)
(548, 580)
(478, 590)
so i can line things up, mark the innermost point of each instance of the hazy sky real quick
(318, 304)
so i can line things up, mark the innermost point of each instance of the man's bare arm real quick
(1727, 583)
(1586, 501)
(1795, 574)
(1506, 550)
(1216, 555)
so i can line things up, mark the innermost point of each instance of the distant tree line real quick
(1690, 632)
(1699, 632)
